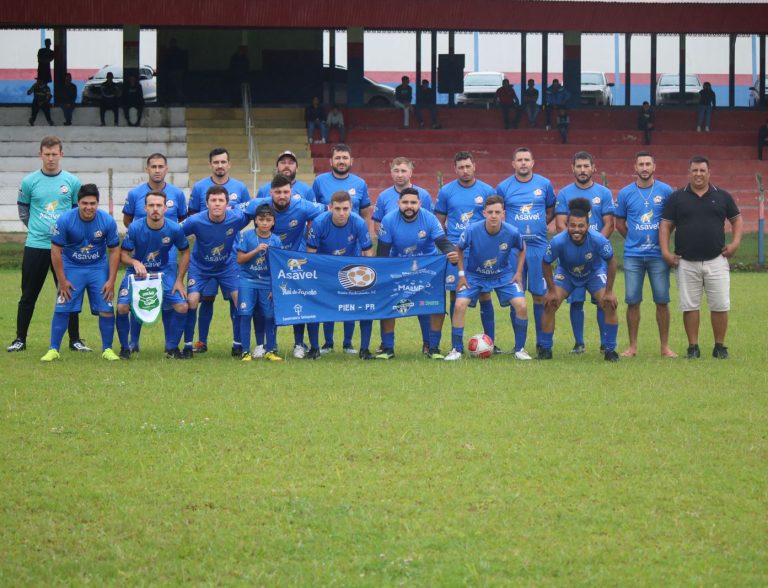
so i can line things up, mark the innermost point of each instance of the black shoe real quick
(497, 350)
(611, 356)
(693, 352)
(538, 348)
(720, 351)
(602, 349)
(200, 347)
(187, 353)
(173, 354)
(578, 348)
(16, 345)
(125, 353)
(79, 345)
(133, 348)
(313, 353)
(365, 354)
(544, 353)
(237, 350)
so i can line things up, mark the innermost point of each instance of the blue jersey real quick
(642, 208)
(175, 201)
(526, 204)
(388, 199)
(579, 261)
(327, 184)
(599, 197)
(461, 206)
(490, 257)
(154, 247)
(409, 239)
(85, 243)
(291, 223)
(298, 190)
(238, 193)
(256, 270)
(214, 241)
(329, 239)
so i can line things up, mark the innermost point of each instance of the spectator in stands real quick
(133, 97)
(762, 139)
(507, 99)
(110, 99)
(707, 103)
(555, 97)
(426, 100)
(531, 102)
(68, 99)
(563, 122)
(646, 121)
(44, 59)
(403, 99)
(314, 116)
(41, 100)
(336, 119)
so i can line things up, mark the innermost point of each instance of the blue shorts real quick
(207, 283)
(533, 275)
(90, 278)
(250, 298)
(594, 283)
(579, 295)
(505, 292)
(169, 279)
(658, 275)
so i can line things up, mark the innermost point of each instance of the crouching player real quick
(79, 244)
(585, 260)
(148, 247)
(254, 291)
(495, 257)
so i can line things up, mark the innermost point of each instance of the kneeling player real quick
(494, 261)
(254, 292)
(583, 255)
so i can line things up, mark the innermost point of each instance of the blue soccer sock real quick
(245, 332)
(387, 340)
(189, 327)
(349, 331)
(328, 332)
(424, 325)
(546, 340)
(271, 333)
(434, 339)
(206, 316)
(135, 332)
(167, 318)
(175, 329)
(520, 327)
(488, 318)
(577, 322)
(59, 325)
(235, 323)
(538, 312)
(457, 338)
(123, 326)
(451, 307)
(298, 334)
(602, 328)
(107, 330)
(366, 330)
(259, 327)
(313, 330)
(611, 333)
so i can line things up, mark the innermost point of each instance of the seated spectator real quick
(426, 100)
(314, 115)
(403, 99)
(531, 102)
(41, 100)
(762, 140)
(555, 97)
(646, 121)
(110, 98)
(507, 99)
(133, 97)
(68, 99)
(336, 119)
(563, 122)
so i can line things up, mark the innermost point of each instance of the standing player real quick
(79, 257)
(288, 166)
(175, 210)
(638, 214)
(150, 246)
(460, 203)
(213, 264)
(410, 232)
(529, 200)
(340, 231)
(291, 218)
(254, 291)
(43, 197)
(237, 194)
(341, 178)
(495, 255)
(585, 258)
(600, 219)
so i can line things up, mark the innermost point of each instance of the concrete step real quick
(258, 113)
(154, 116)
(93, 149)
(86, 164)
(122, 180)
(93, 134)
(239, 124)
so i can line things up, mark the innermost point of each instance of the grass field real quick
(340, 472)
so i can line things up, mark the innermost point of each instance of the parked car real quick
(595, 89)
(374, 93)
(754, 93)
(147, 79)
(668, 89)
(480, 88)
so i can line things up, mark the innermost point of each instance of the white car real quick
(92, 88)
(595, 89)
(480, 88)
(668, 89)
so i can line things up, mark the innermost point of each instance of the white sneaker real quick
(299, 352)
(310, 141)
(706, 129)
(350, 350)
(698, 129)
(259, 352)
(453, 355)
(522, 355)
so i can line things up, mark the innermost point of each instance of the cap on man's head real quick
(290, 154)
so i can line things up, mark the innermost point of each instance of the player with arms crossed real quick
(494, 260)
(585, 259)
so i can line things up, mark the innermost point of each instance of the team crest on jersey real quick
(295, 264)
(98, 235)
(297, 196)
(64, 189)
(123, 291)
(243, 305)
(503, 246)
(169, 203)
(229, 232)
(166, 240)
(537, 192)
(351, 238)
(233, 197)
(478, 199)
(559, 277)
(588, 256)
(293, 223)
(422, 234)
(450, 279)
(596, 200)
(657, 199)
(351, 192)
(191, 282)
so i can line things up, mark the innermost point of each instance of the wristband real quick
(461, 274)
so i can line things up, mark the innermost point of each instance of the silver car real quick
(668, 89)
(595, 89)
(374, 93)
(480, 87)
(147, 79)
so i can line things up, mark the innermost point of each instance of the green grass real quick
(339, 472)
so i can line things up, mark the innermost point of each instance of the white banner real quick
(146, 297)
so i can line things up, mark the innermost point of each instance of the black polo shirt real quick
(699, 221)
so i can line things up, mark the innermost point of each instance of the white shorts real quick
(712, 276)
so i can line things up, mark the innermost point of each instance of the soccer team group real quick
(494, 238)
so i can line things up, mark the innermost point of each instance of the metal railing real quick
(253, 148)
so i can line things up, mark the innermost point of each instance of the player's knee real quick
(106, 314)
(123, 309)
(181, 307)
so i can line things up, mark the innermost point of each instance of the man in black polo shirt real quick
(698, 213)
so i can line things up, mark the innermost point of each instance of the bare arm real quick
(737, 228)
(665, 230)
(608, 226)
(609, 297)
(127, 219)
(621, 226)
(108, 290)
(442, 218)
(246, 256)
(560, 222)
(178, 285)
(65, 286)
(550, 214)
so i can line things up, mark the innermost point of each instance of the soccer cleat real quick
(16, 345)
(200, 347)
(125, 353)
(365, 354)
(538, 348)
(237, 350)
(246, 356)
(172, 354)
(544, 353)
(602, 348)
(110, 355)
(434, 353)
(693, 352)
(313, 353)
(386, 353)
(497, 350)
(720, 351)
(299, 352)
(424, 349)
(259, 352)
(578, 348)
(187, 353)
(453, 355)
(51, 355)
(272, 356)
(133, 348)
(611, 355)
(79, 345)
(350, 350)
(522, 355)
(326, 348)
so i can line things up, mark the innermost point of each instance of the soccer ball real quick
(357, 277)
(480, 346)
